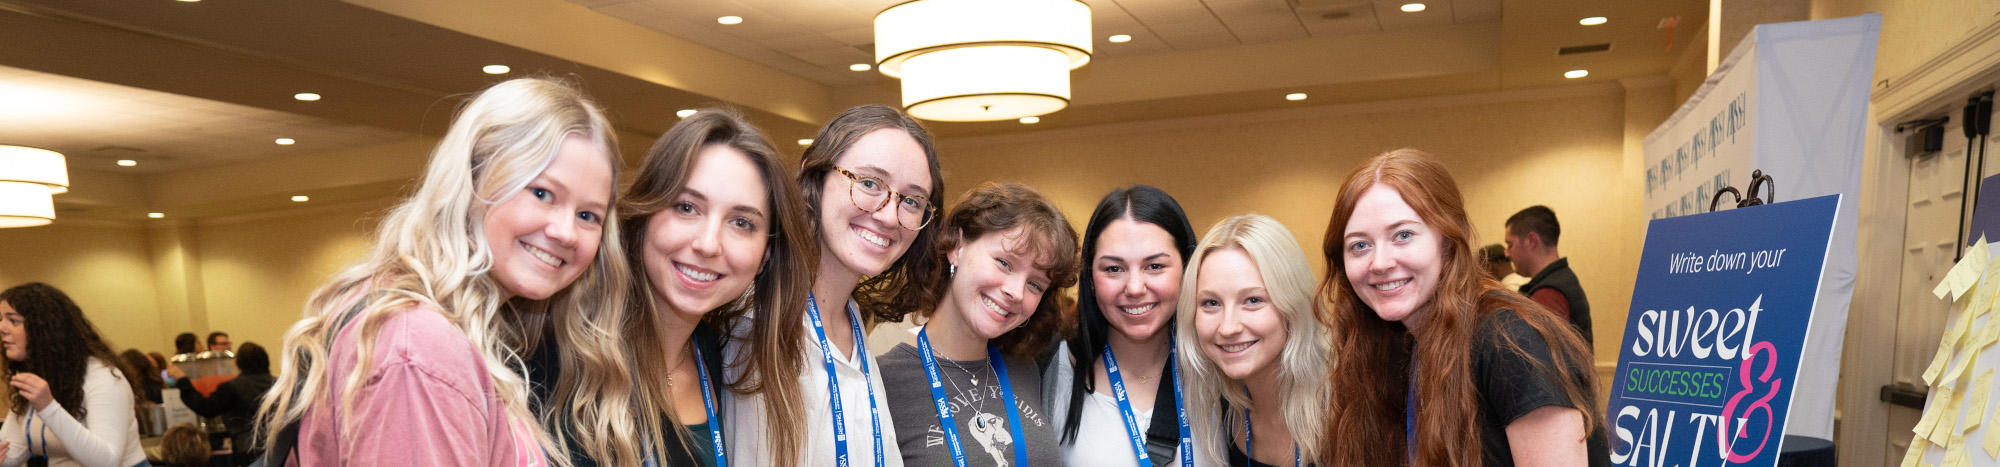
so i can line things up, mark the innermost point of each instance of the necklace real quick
(980, 405)
(687, 356)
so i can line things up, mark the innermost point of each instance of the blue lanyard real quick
(31, 438)
(1249, 444)
(1132, 422)
(1410, 412)
(1180, 407)
(833, 383)
(945, 420)
(708, 402)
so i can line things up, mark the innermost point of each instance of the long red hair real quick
(1374, 365)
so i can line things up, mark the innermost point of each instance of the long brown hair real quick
(994, 208)
(776, 352)
(61, 342)
(1374, 365)
(893, 293)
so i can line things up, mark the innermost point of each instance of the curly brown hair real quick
(998, 207)
(61, 343)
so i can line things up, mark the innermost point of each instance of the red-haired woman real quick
(1436, 358)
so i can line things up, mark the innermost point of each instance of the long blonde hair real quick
(431, 251)
(1301, 365)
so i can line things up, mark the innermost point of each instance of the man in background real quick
(218, 341)
(1531, 245)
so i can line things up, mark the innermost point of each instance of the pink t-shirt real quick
(428, 401)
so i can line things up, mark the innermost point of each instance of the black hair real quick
(1142, 203)
(213, 335)
(251, 359)
(1537, 219)
(185, 342)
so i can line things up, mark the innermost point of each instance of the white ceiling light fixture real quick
(306, 96)
(286, 141)
(983, 60)
(860, 67)
(1120, 38)
(156, 215)
(684, 113)
(1592, 21)
(1297, 96)
(301, 198)
(730, 20)
(496, 69)
(1413, 7)
(28, 179)
(1574, 74)
(1031, 120)
(127, 163)
(805, 141)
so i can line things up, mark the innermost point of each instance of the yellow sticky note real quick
(1982, 299)
(1937, 432)
(1958, 369)
(1938, 363)
(1992, 442)
(1943, 287)
(1915, 453)
(1987, 334)
(1981, 387)
(1947, 422)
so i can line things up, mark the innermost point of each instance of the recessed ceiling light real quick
(1413, 7)
(286, 141)
(306, 96)
(859, 67)
(127, 162)
(684, 113)
(1592, 21)
(300, 198)
(1031, 120)
(1574, 74)
(1297, 96)
(157, 215)
(730, 20)
(187, 1)
(496, 69)
(1121, 38)
(805, 141)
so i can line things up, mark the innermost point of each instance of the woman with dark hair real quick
(1009, 254)
(869, 178)
(236, 400)
(1452, 360)
(68, 403)
(1105, 385)
(141, 369)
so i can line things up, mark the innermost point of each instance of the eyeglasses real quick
(872, 194)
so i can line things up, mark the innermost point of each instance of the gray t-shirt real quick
(976, 406)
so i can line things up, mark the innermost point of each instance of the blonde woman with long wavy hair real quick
(1248, 340)
(413, 356)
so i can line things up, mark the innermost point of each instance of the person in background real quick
(160, 368)
(1134, 249)
(1498, 267)
(184, 446)
(69, 404)
(142, 371)
(870, 178)
(218, 341)
(236, 400)
(1438, 364)
(1255, 359)
(513, 224)
(1531, 244)
(184, 347)
(968, 392)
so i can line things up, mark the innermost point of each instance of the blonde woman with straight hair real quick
(1248, 340)
(412, 356)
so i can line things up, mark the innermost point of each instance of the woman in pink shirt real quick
(411, 356)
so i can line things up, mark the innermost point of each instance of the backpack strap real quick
(286, 446)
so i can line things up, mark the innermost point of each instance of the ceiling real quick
(197, 91)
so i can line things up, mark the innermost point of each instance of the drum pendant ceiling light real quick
(28, 178)
(983, 60)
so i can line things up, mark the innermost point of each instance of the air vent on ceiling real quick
(1328, 9)
(1584, 49)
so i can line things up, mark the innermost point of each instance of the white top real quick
(1101, 438)
(108, 436)
(746, 423)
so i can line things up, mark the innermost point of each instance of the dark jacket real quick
(236, 402)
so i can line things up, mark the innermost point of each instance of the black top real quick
(1511, 384)
(1558, 276)
(545, 368)
(236, 402)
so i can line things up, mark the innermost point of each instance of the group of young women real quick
(520, 309)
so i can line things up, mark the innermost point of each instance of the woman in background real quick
(1441, 345)
(717, 229)
(869, 177)
(1249, 343)
(413, 355)
(184, 446)
(1009, 253)
(68, 402)
(145, 373)
(1124, 413)
(235, 400)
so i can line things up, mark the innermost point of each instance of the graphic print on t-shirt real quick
(983, 419)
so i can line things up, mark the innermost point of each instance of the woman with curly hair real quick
(68, 402)
(970, 379)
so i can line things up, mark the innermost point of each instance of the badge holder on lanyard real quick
(833, 384)
(1250, 446)
(36, 460)
(1138, 438)
(945, 420)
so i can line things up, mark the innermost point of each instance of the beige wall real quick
(1559, 147)
(257, 271)
(104, 267)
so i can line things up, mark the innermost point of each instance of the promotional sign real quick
(1710, 361)
(1790, 100)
